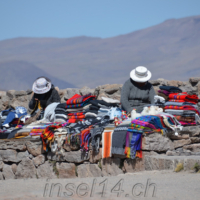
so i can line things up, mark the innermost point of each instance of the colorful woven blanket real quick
(133, 144)
(186, 107)
(78, 99)
(184, 96)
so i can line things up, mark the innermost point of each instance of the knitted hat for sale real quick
(41, 85)
(140, 74)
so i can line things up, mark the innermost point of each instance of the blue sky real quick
(96, 18)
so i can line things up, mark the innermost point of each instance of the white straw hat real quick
(140, 74)
(41, 86)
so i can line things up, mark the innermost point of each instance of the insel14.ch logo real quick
(84, 190)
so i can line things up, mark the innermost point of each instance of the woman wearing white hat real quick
(44, 93)
(137, 91)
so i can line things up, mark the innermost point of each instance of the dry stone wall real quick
(24, 158)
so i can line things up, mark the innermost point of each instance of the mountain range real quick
(170, 50)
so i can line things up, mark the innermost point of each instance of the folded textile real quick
(180, 104)
(185, 107)
(98, 103)
(184, 119)
(77, 117)
(180, 112)
(188, 123)
(159, 99)
(165, 92)
(76, 114)
(78, 99)
(170, 88)
(184, 96)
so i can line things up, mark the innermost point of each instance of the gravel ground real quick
(142, 185)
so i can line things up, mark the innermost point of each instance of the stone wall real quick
(22, 158)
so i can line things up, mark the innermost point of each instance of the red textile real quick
(77, 99)
(184, 96)
(74, 120)
(76, 114)
(77, 117)
(182, 101)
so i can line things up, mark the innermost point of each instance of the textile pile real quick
(181, 105)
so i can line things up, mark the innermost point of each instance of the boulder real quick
(133, 165)
(195, 139)
(111, 166)
(155, 82)
(20, 93)
(10, 155)
(191, 130)
(45, 170)
(194, 80)
(71, 92)
(86, 90)
(38, 160)
(95, 156)
(189, 89)
(25, 169)
(111, 89)
(16, 145)
(34, 148)
(179, 137)
(28, 92)
(11, 94)
(66, 170)
(76, 156)
(156, 142)
(19, 102)
(198, 88)
(180, 143)
(7, 172)
(88, 170)
(192, 147)
(55, 157)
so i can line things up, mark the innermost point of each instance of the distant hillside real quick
(20, 75)
(170, 50)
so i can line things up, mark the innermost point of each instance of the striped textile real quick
(78, 99)
(107, 143)
(186, 107)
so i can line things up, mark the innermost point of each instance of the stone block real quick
(95, 156)
(7, 172)
(66, 170)
(111, 166)
(16, 145)
(25, 169)
(180, 143)
(156, 142)
(192, 147)
(10, 155)
(34, 148)
(38, 160)
(45, 170)
(88, 170)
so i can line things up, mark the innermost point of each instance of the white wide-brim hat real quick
(41, 86)
(140, 74)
